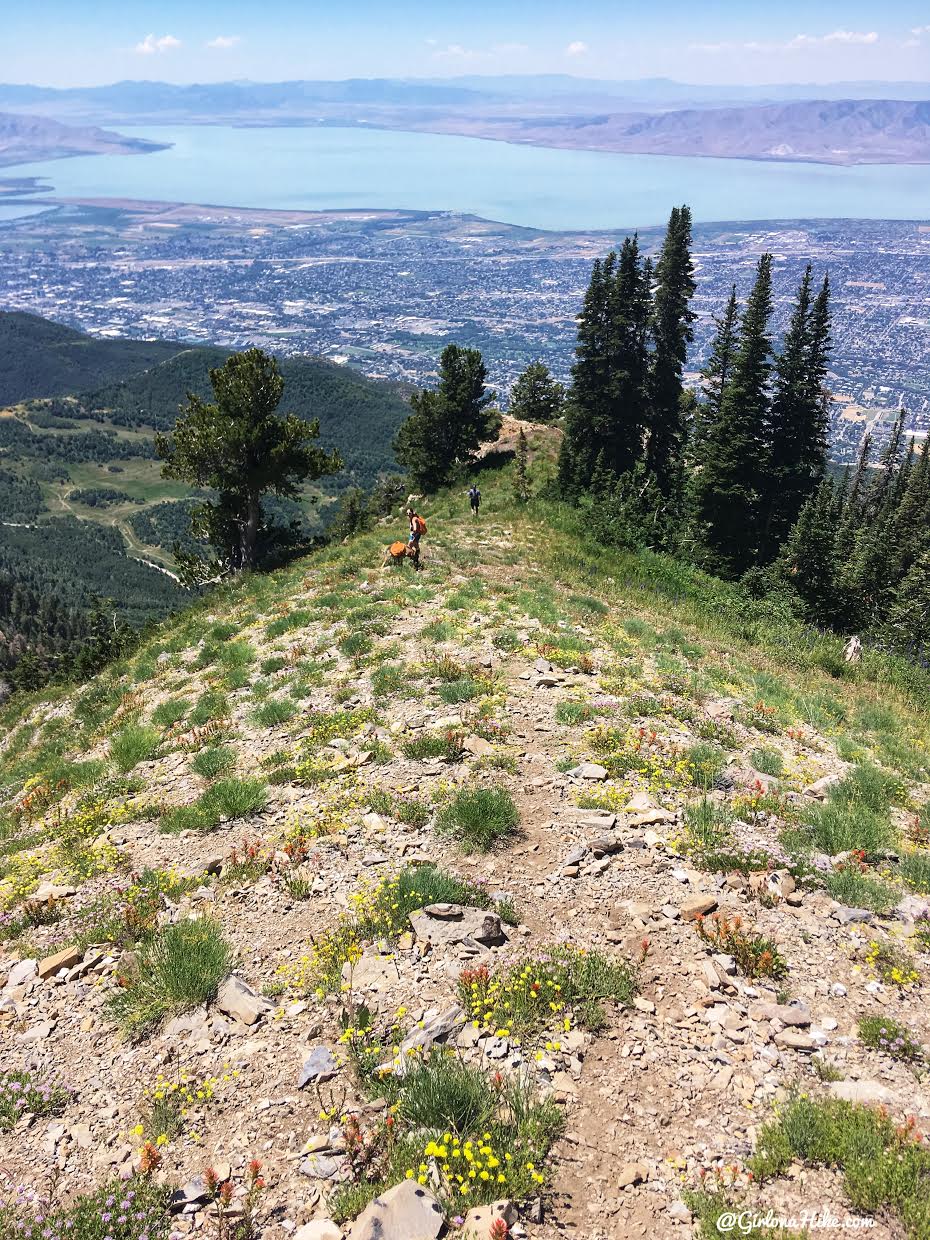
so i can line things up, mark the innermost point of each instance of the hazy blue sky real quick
(79, 42)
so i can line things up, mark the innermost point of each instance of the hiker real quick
(474, 498)
(417, 530)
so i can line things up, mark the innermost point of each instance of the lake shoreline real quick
(329, 169)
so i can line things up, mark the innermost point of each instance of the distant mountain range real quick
(844, 123)
(24, 138)
(858, 131)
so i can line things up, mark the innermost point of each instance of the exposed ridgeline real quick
(557, 886)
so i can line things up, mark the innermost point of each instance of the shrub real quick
(170, 712)
(273, 712)
(755, 955)
(210, 706)
(441, 1092)
(870, 786)
(884, 1033)
(214, 761)
(479, 817)
(858, 890)
(769, 761)
(178, 969)
(914, 868)
(886, 1167)
(444, 668)
(538, 993)
(20, 1094)
(465, 690)
(837, 827)
(227, 798)
(706, 762)
(135, 743)
(892, 964)
(573, 712)
(428, 745)
(135, 1209)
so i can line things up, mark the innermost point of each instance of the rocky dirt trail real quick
(349, 707)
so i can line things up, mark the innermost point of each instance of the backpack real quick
(420, 524)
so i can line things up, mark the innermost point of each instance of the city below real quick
(385, 291)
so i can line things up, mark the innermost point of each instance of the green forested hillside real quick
(357, 415)
(82, 499)
(41, 358)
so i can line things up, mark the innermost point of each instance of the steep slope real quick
(357, 415)
(42, 358)
(311, 764)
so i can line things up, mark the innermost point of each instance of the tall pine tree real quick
(727, 484)
(797, 423)
(716, 375)
(671, 333)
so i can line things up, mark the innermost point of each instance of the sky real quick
(90, 42)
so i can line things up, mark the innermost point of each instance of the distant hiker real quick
(474, 498)
(853, 650)
(417, 530)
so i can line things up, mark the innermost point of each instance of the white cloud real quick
(224, 41)
(576, 49)
(456, 51)
(861, 38)
(150, 45)
(836, 36)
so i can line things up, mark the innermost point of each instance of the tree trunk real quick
(249, 532)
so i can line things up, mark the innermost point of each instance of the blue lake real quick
(328, 168)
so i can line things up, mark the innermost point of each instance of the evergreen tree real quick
(797, 424)
(536, 396)
(449, 424)
(715, 376)
(240, 446)
(590, 379)
(807, 562)
(853, 507)
(352, 515)
(908, 623)
(608, 402)
(671, 334)
(727, 485)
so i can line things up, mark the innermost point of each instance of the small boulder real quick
(480, 1219)
(632, 1173)
(318, 1229)
(408, 1211)
(22, 972)
(237, 999)
(697, 906)
(320, 1065)
(446, 924)
(67, 958)
(867, 1092)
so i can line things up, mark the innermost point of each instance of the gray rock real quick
(237, 999)
(787, 1013)
(589, 770)
(821, 787)
(862, 1091)
(320, 1065)
(325, 1166)
(446, 924)
(848, 916)
(22, 972)
(480, 1219)
(318, 1229)
(435, 1030)
(408, 1211)
(186, 1200)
